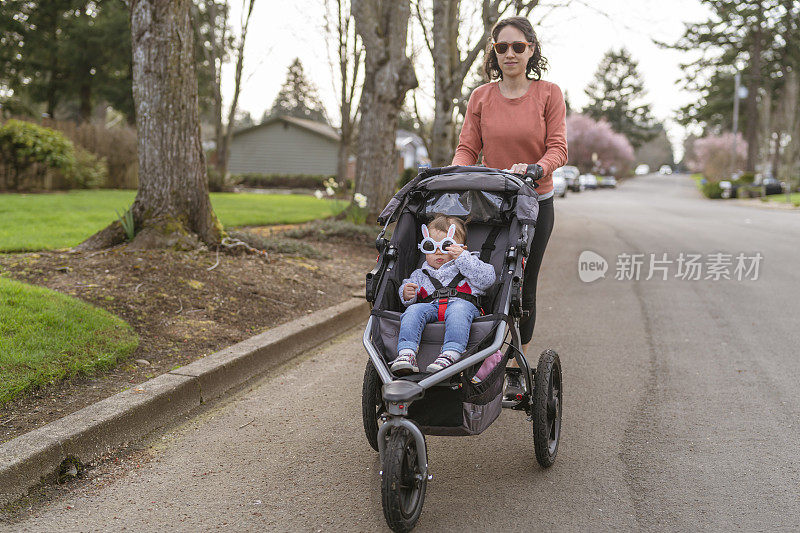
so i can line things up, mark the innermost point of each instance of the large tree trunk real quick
(447, 85)
(172, 207)
(85, 108)
(388, 75)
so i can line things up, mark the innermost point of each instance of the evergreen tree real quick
(757, 36)
(67, 52)
(68, 56)
(657, 151)
(613, 95)
(298, 97)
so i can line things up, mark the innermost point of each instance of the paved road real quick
(682, 406)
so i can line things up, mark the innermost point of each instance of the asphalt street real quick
(681, 403)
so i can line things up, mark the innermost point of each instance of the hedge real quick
(282, 181)
(29, 153)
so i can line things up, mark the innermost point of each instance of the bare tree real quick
(754, 83)
(215, 55)
(349, 60)
(451, 65)
(172, 207)
(388, 75)
(787, 152)
(223, 148)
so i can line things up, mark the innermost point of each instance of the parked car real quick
(608, 182)
(665, 170)
(559, 184)
(729, 189)
(571, 176)
(642, 170)
(771, 186)
(588, 181)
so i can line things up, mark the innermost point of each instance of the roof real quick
(313, 126)
(405, 137)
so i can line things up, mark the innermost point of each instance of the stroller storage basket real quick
(463, 408)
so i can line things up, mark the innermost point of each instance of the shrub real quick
(407, 175)
(89, 171)
(217, 182)
(117, 145)
(711, 189)
(29, 150)
(282, 181)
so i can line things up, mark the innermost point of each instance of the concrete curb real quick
(108, 424)
(755, 202)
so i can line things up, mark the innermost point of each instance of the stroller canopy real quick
(479, 192)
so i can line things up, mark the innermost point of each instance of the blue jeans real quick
(457, 321)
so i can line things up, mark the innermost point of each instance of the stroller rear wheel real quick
(372, 407)
(547, 401)
(403, 481)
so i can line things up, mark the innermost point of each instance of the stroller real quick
(500, 210)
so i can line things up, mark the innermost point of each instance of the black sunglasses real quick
(518, 47)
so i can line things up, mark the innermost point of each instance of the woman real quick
(519, 123)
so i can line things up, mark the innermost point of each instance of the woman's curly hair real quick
(536, 64)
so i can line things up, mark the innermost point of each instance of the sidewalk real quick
(83, 436)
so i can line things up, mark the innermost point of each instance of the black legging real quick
(544, 226)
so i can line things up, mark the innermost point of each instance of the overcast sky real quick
(574, 40)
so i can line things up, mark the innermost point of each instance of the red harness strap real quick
(442, 308)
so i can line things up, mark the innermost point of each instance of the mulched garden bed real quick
(181, 308)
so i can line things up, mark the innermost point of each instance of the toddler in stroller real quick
(446, 288)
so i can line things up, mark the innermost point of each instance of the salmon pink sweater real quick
(529, 129)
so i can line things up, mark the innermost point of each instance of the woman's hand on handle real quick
(517, 168)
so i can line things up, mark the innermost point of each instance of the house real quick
(412, 149)
(289, 145)
(285, 145)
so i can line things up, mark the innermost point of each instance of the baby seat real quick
(495, 208)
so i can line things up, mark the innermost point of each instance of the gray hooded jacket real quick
(478, 277)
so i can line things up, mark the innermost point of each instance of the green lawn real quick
(795, 198)
(61, 220)
(46, 336)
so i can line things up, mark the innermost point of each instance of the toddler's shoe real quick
(443, 361)
(405, 364)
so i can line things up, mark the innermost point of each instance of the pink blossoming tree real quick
(594, 146)
(712, 156)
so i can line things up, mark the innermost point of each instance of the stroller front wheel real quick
(403, 482)
(546, 411)
(372, 407)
